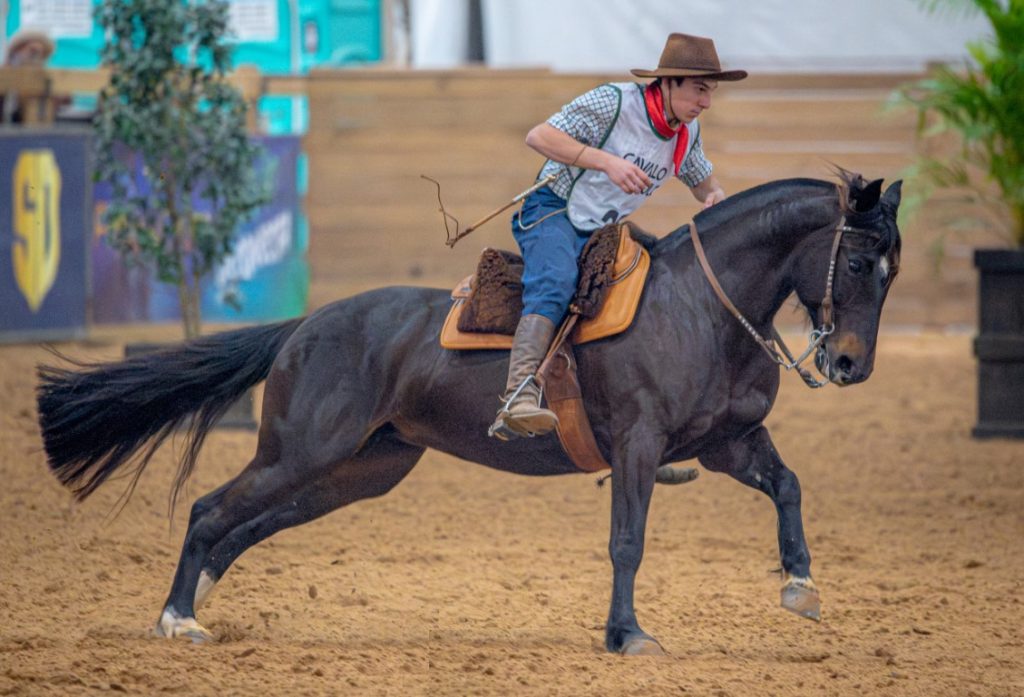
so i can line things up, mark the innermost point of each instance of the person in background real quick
(27, 47)
(609, 150)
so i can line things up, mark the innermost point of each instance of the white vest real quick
(594, 201)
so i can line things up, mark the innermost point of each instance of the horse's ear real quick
(865, 199)
(891, 198)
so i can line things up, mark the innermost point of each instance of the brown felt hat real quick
(690, 56)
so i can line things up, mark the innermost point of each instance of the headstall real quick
(783, 358)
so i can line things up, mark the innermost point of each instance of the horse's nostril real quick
(844, 364)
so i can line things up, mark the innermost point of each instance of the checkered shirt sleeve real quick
(695, 167)
(588, 118)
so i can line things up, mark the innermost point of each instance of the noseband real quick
(817, 336)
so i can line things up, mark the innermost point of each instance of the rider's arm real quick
(561, 147)
(709, 192)
(696, 173)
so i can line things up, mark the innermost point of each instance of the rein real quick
(817, 336)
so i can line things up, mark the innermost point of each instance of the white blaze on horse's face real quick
(883, 269)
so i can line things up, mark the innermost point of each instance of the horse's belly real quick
(539, 456)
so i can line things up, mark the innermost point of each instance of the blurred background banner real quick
(45, 225)
(266, 278)
(282, 36)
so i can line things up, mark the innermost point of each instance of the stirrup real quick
(503, 432)
(501, 429)
(518, 390)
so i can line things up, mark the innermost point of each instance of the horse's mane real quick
(745, 202)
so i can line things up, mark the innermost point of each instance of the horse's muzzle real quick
(844, 361)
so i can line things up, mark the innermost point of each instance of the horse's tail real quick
(95, 421)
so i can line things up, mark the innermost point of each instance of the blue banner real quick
(45, 225)
(266, 277)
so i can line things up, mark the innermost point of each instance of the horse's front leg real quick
(754, 461)
(633, 474)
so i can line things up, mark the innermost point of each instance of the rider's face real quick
(691, 98)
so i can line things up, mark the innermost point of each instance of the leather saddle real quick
(487, 305)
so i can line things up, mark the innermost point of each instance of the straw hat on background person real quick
(29, 47)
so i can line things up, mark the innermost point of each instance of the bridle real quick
(817, 336)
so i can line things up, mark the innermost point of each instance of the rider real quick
(610, 149)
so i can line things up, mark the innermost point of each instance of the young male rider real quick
(610, 148)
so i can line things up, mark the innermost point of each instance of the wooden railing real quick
(40, 90)
(34, 90)
(372, 133)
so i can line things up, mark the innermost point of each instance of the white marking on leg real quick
(166, 626)
(171, 626)
(203, 589)
(801, 581)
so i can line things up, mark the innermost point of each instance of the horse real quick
(358, 390)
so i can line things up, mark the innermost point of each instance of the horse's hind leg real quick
(267, 486)
(754, 461)
(373, 471)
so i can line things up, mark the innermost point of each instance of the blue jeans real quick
(550, 251)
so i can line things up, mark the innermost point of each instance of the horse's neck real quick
(752, 253)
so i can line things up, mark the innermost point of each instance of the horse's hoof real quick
(667, 474)
(197, 635)
(171, 626)
(799, 595)
(642, 646)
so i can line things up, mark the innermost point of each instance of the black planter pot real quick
(238, 416)
(999, 345)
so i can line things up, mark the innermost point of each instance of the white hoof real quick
(171, 626)
(800, 596)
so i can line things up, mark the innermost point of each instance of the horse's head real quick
(866, 264)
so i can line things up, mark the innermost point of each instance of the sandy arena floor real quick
(467, 581)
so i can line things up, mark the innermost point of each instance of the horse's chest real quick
(749, 406)
(726, 416)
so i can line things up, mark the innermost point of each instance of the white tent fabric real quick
(440, 33)
(758, 35)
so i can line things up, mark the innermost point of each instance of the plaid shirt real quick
(589, 118)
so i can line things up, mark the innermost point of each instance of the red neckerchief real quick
(656, 110)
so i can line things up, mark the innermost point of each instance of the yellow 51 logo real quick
(36, 199)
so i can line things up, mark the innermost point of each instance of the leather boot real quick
(522, 414)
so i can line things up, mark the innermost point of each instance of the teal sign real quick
(278, 36)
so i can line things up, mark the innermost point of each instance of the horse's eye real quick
(857, 266)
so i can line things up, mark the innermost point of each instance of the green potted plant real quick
(168, 103)
(971, 124)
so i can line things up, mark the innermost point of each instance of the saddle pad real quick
(632, 263)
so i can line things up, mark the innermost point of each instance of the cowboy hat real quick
(690, 56)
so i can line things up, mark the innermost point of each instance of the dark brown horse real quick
(359, 389)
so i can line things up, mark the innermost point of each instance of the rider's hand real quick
(714, 197)
(626, 175)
